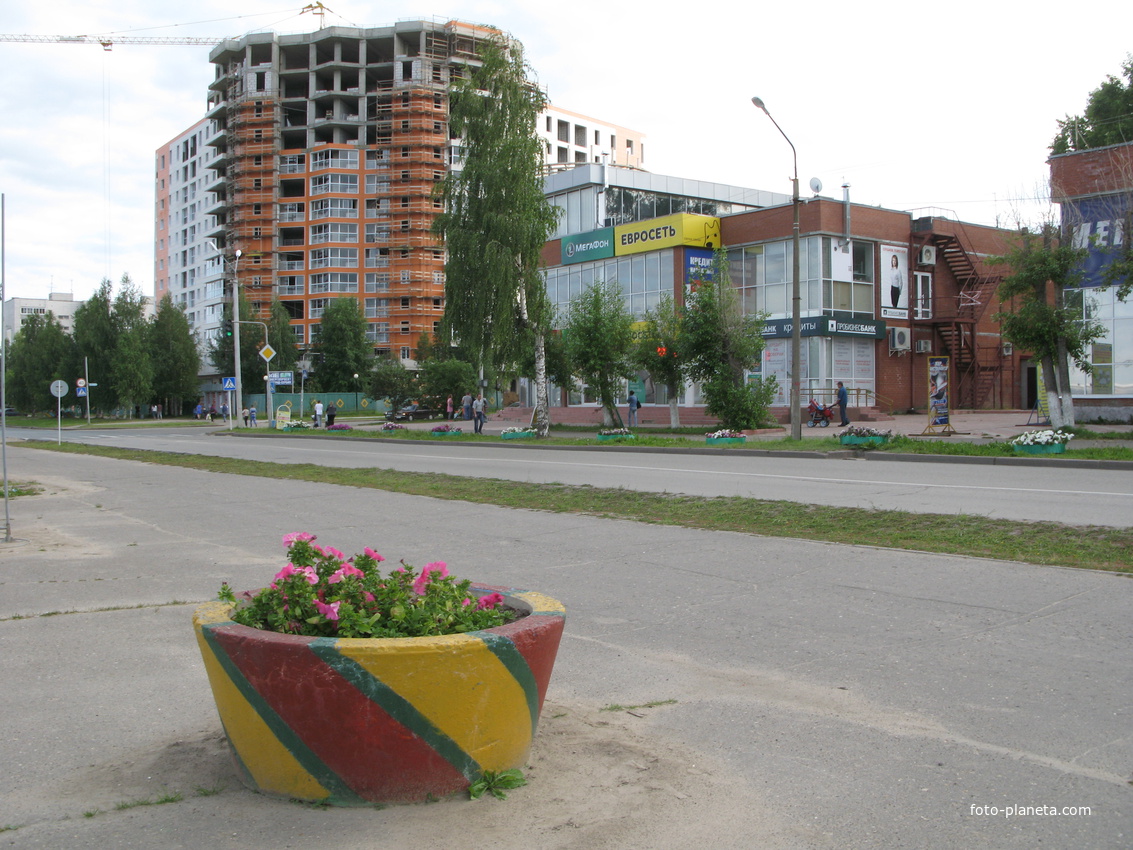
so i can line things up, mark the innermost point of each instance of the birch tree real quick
(497, 218)
(1042, 312)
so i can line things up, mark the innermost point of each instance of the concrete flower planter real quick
(614, 438)
(389, 720)
(848, 440)
(519, 435)
(445, 433)
(1048, 449)
(725, 441)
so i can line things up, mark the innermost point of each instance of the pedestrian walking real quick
(252, 411)
(843, 401)
(478, 407)
(197, 411)
(332, 409)
(224, 412)
(244, 413)
(318, 413)
(448, 408)
(466, 405)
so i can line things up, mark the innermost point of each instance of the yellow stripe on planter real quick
(271, 765)
(500, 738)
(540, 603)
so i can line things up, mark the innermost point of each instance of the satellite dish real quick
(815, 185)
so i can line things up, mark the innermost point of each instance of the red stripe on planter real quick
(539, 652)
(341, 731)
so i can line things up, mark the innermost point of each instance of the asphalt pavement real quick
(867, 698)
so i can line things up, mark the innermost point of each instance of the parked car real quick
(11, 411)
(411, 412)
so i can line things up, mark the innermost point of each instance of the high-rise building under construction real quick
(318, 160)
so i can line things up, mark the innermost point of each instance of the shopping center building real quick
(1094, 189)
(883, 291)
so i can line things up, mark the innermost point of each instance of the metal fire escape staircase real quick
(976, 366)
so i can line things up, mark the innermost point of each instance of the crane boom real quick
(107, 41)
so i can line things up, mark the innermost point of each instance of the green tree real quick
(133, 368)
(40, 352)
(391, 381)
(344, 348)
(1108, 119)
(440, 379)
(496, 217)
(720, 345)
(175, 357)
(658, 352)
(599, 344)
(1042, 311)
(96, 339)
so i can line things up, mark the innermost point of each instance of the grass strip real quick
(1048, 543)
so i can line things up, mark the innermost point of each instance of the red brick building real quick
(882, 294)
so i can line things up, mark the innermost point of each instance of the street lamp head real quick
(758, 101)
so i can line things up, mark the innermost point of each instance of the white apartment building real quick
(61, 304)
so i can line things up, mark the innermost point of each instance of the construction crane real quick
(108, 42)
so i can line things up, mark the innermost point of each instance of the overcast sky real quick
(915, 105)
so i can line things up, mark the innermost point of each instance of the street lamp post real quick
(236, 328)
(796, 311)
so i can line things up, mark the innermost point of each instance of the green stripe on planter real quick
(397, 707)
(517, 665)
(283, 733)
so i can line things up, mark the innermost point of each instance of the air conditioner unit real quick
(898, 339)
(924, 346)
(927, 255)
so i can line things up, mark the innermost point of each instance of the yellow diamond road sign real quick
(267, 352)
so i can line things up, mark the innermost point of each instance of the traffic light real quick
(226, 328)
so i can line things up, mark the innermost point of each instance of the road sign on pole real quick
(229, 384)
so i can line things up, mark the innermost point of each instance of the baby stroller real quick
(820, 414)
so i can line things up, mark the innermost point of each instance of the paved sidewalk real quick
(812, 695)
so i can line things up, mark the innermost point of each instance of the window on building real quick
(564, 131)
(922, 295)
(580, 135)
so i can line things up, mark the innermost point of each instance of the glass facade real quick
(1111, 357)
(643, 279)
(834, 280)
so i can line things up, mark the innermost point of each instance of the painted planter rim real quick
(354, 721)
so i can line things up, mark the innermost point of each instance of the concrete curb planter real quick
(1041, 449)
(725, 441)
(847, 440)
(445, 433)
(519, 435)
(390, 720)
(613, 438)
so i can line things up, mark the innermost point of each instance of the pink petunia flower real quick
(286, 572)
(297, 536)
(371, 553)
(422, 581)
(329, 611)
(489, 601)
(345, 571)
(330, 550)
